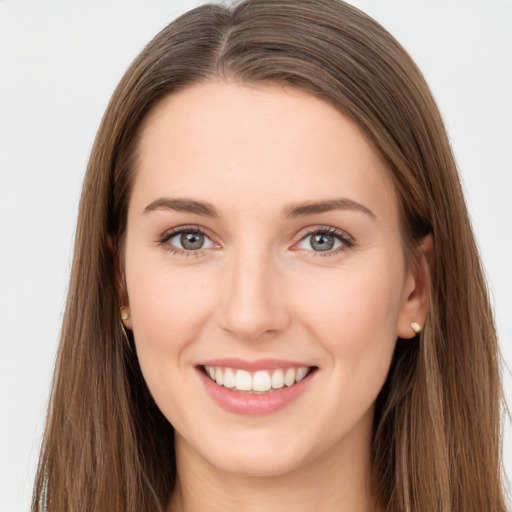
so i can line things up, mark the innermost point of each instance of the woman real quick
(276, 299)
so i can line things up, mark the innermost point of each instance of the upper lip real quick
(253, 366)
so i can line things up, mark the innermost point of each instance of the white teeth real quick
(301, 373)
(229, 378)
(278, 379)
(219, 376)
(261, 381)
(289, 378)
(243, 380)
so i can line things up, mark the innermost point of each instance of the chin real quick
(258, 465)
(263, 457)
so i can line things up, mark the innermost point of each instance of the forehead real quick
(259, 146)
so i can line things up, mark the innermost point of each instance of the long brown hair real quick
(436, 445)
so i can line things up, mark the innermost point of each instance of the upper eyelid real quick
(303, 233)
(331, 230)
(170, 233)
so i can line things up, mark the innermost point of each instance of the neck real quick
(339, 480)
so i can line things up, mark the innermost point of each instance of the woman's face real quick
(263, 243)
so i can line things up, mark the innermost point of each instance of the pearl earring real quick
(416, 327)
(124, 316)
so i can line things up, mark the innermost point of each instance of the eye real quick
(186, 240)
(325, 240)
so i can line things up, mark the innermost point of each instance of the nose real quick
(254, 304)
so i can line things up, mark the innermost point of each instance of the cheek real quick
(167, 304)
(353, 299)
(168, 307)
(354, 317)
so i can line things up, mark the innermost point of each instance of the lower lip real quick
(244, 403)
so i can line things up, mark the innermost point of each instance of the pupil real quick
(192, 241)
(322, 242)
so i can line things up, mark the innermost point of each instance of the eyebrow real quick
(312, 208)
(183, 205)
(294, 210)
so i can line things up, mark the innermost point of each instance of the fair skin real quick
(257, 279)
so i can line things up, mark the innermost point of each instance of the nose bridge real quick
(252, 305)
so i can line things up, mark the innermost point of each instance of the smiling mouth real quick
(259, 382)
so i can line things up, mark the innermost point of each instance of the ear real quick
(416, 292)
(122, 293)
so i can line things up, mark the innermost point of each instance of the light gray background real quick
(59, 63)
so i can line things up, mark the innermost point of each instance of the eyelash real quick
(164, 239)
(344, 238)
